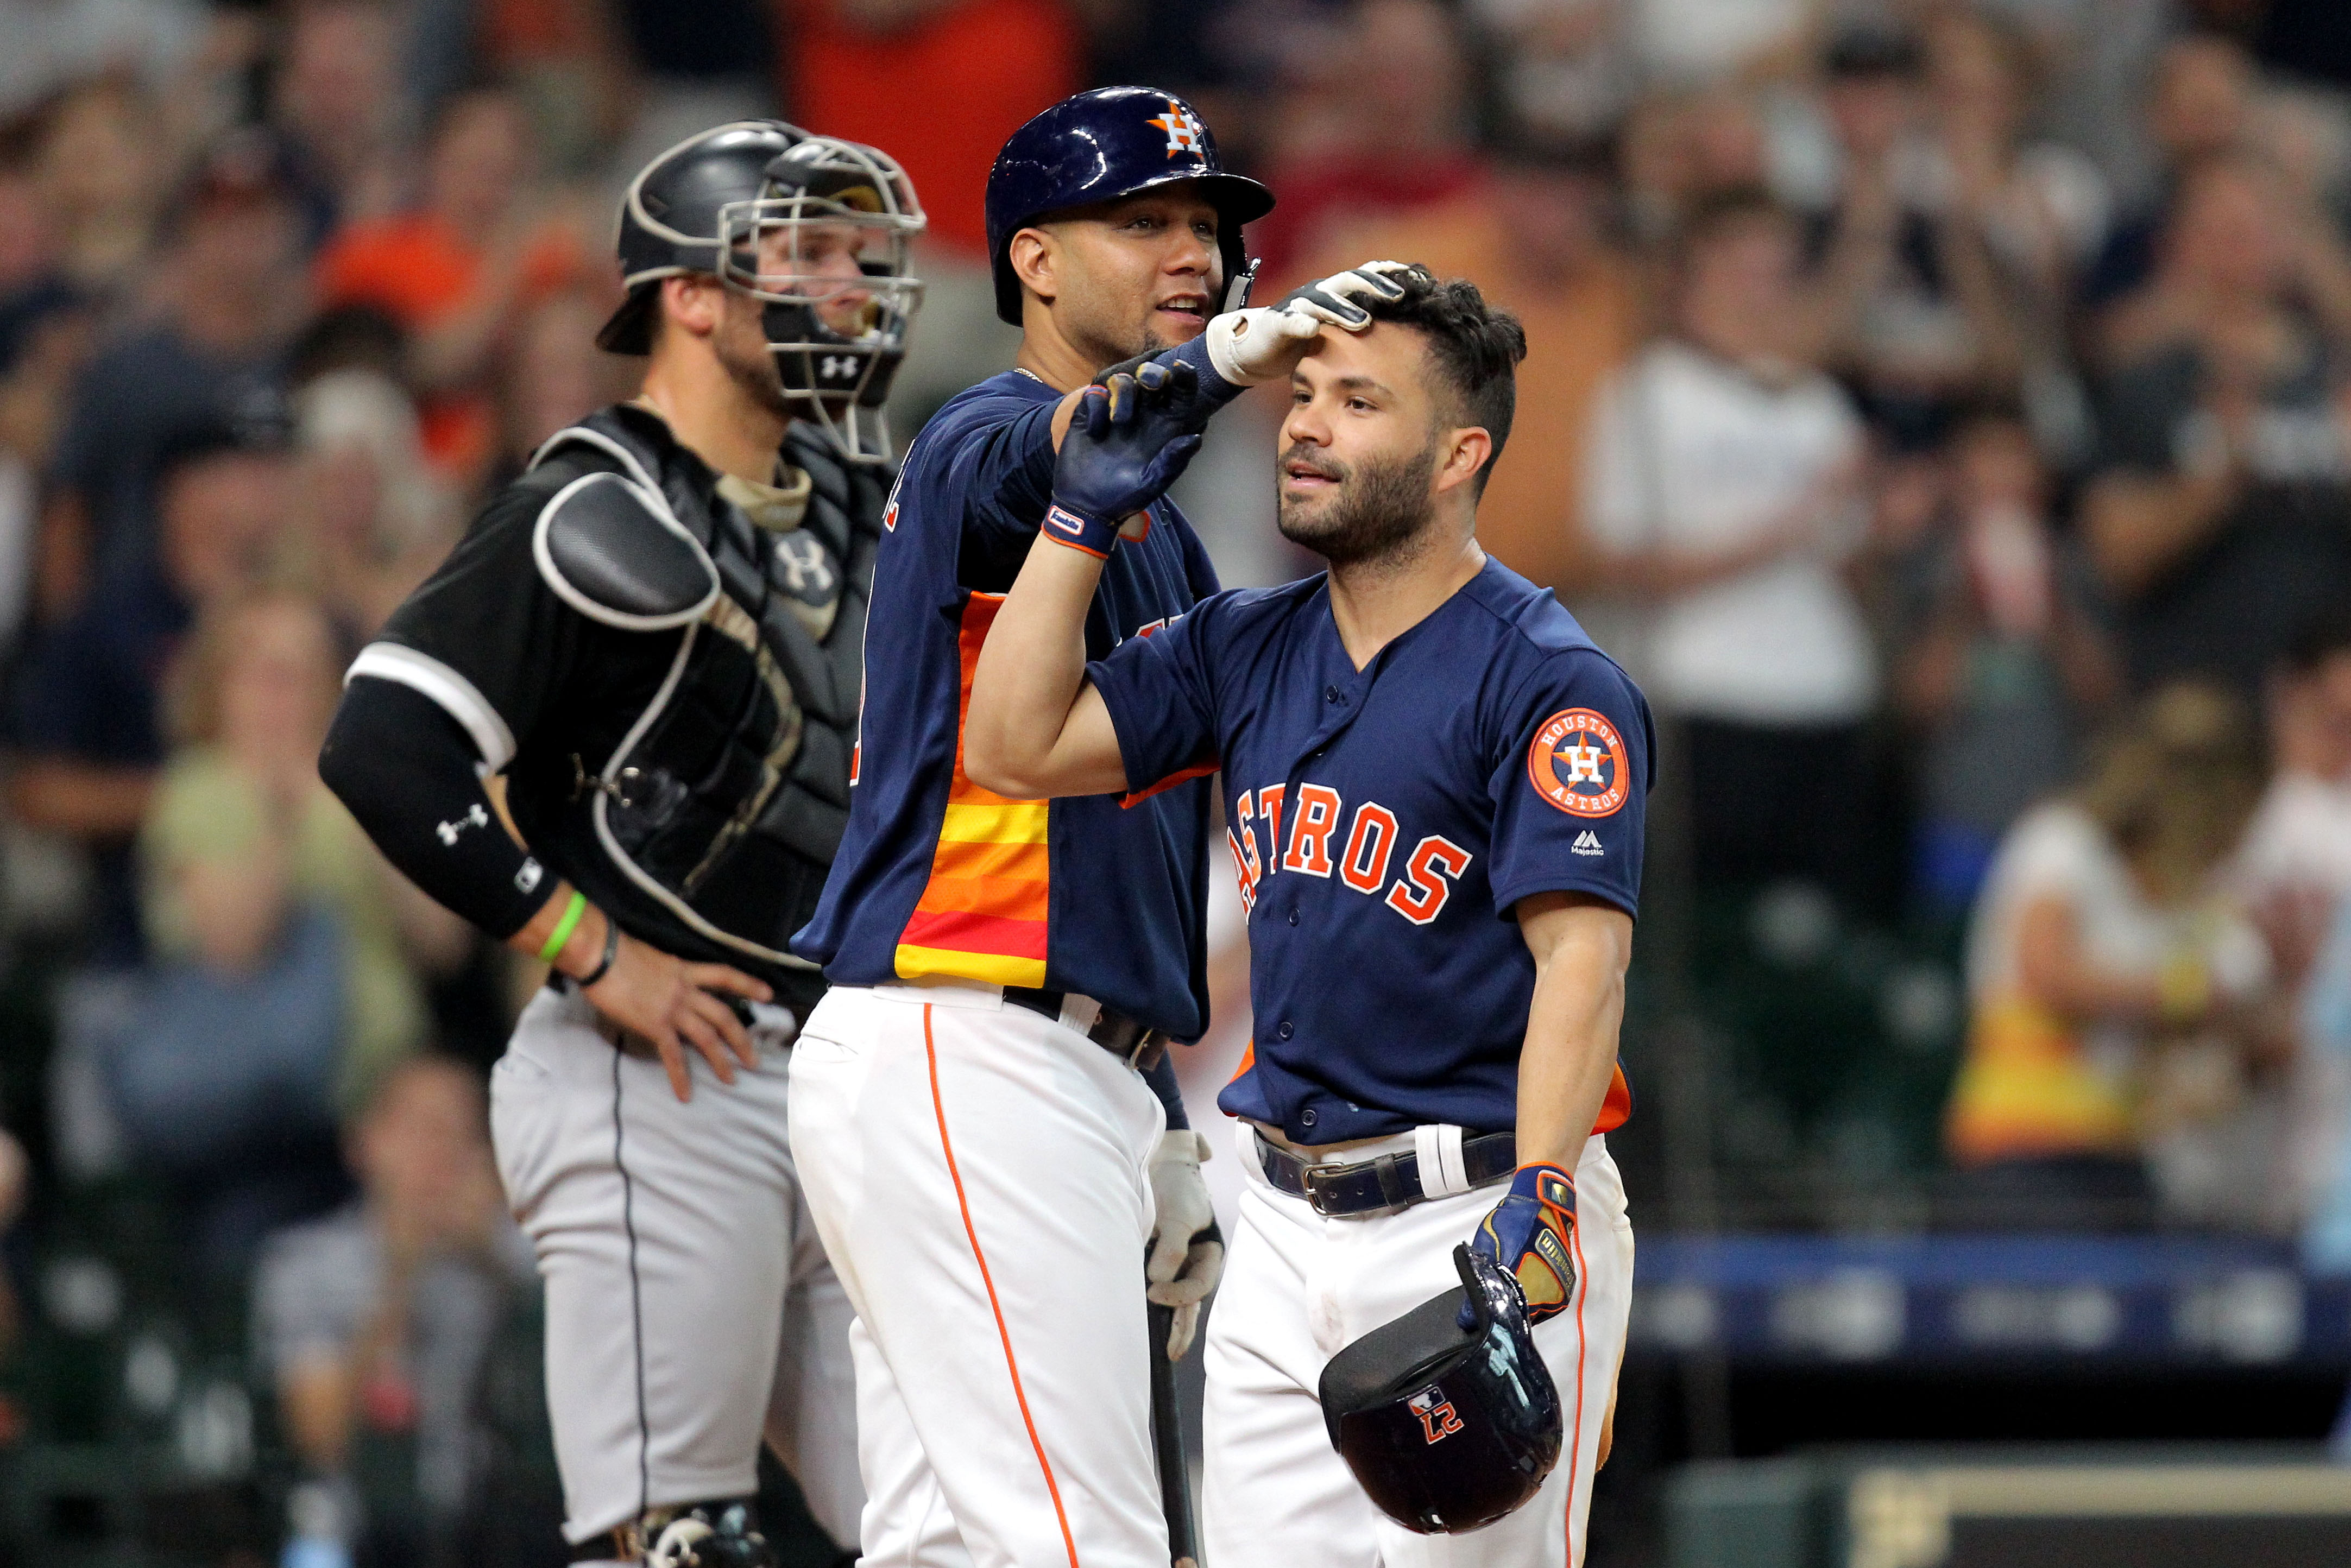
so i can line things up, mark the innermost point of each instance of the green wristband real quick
(564, 927)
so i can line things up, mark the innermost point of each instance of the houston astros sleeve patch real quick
(1570, 792)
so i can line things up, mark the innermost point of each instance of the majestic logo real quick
(1587, 843)
(1578, 764)
(1185, 134)
(1438, 1420)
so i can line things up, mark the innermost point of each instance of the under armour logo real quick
(476, 816)
(1185, 133)
(1587, 843)
(838, 368)
(805, 568)
(1437, 1418)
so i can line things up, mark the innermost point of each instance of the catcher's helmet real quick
(1101, 145)
(1447, 1429)
(669, 216)
(825, 247)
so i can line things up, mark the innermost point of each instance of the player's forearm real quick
(407, 771)
(1029, 678)
(1569, 1057)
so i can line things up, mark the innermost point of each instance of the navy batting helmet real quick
(669, 216)
(1446, 1429)
(1097, 147)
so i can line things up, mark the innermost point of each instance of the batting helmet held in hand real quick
(669, 217)
(1098, 147)
(1446, 1429)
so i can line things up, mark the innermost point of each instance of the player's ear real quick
(1036, 258)
(692, 303)
(1465, 452)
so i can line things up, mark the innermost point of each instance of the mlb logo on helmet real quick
(1184, 134)
(1438, 1420)
(1577, 763)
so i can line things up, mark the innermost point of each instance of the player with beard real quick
(654, 637)
(1433, 784)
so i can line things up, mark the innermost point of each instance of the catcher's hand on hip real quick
(1528, 1233)
(670, 1003)
(1187, 1251)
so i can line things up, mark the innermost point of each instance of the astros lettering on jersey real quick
(1392, 813)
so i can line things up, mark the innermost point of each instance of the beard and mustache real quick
(1379, 514)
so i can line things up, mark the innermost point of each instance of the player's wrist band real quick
(611, 951)
(1094, 536)
(564, 927)
(1214, 389)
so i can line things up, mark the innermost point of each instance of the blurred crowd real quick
(1940, 405)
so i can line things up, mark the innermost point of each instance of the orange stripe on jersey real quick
(982, 915)
(1197, 770)
(1617, 1107)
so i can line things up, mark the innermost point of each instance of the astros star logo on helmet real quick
(1185, 132)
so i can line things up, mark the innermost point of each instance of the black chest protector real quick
(709, 826)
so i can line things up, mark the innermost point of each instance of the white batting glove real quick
(1188, 1253)
(1336, 301)
(1249, 348)
(1263, 343)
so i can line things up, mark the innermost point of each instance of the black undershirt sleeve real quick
(1162, 1080)
(406, 770)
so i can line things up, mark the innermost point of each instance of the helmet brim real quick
(629, 329)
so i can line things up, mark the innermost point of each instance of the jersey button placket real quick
(1284, 1029)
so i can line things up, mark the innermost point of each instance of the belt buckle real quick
(1314, 1178)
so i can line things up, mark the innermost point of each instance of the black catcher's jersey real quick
(675, 732)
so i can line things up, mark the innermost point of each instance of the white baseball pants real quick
(1299, 1287)
(689, 1305)
(977, 1173)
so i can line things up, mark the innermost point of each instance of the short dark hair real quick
(2319, 640)
(1475, 347)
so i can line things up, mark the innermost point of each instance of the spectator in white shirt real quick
(2293, 872)
(1722, 494)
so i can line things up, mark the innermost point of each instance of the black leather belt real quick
(1137, 1045)
(1383, 1185)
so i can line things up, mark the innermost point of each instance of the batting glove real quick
(1187, 1251)
(1126, 445)
(1338, 300)
(1245, 348)
(1528, 1234)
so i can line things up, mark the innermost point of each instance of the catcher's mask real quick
(826, 249)
(1446, 1429)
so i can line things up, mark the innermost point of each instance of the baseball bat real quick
(1167, 1443)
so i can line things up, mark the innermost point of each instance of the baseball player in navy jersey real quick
(989, 1135)
(1433, 784)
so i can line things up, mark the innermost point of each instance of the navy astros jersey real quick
(938, 877)
(1383, 822)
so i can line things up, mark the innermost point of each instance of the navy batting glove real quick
(1127, 443)
(1528, 1233)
